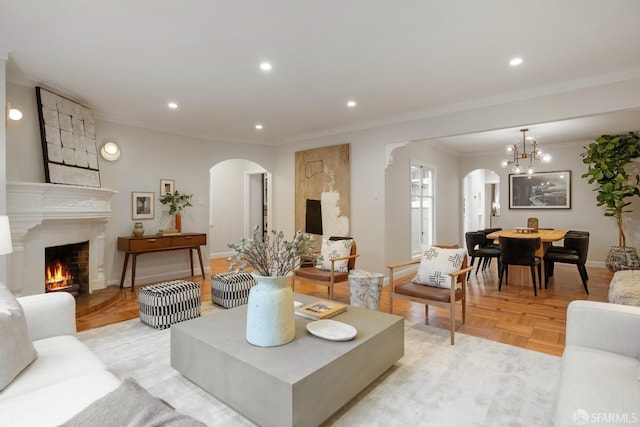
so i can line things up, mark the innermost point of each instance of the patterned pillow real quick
(436, 264)
(16, 348)
(335, 249)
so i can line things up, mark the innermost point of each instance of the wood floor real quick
(513, 316)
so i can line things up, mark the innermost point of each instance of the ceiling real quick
(397, 59)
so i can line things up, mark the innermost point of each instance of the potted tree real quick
(177, 202)
(608, 159)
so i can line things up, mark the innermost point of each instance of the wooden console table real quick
(145, 244)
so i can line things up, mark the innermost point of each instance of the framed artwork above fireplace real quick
(67, 131)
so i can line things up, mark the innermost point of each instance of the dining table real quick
(547, 237)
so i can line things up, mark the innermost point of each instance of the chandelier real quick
(522, 154)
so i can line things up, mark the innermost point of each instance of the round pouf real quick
(270, 314)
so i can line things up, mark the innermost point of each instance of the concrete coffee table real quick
(298, 384)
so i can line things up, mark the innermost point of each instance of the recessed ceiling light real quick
(172, 105)
(515, 61)
(259, 126)
(265, 66)
(351, 104)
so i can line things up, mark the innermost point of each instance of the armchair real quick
(445, 292)
(339, 257)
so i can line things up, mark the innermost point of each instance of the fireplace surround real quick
(44, 215)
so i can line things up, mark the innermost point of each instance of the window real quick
(422, 192)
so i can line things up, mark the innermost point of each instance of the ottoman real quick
(166, 303)
(231, 289)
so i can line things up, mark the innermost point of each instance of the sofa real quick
(49, 378)
(65, 376)
(600, 378)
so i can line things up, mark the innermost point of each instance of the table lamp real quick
(5, 236)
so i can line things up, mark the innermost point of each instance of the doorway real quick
(240, 199)
(481, 200)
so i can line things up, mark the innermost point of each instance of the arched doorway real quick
(481, 200)
(240, 200)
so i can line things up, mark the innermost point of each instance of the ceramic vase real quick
(270, 314)
(138, 230)
(622, 258)
(179, 222)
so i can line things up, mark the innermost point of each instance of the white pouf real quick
(625, 288)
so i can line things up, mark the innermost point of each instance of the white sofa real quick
(64, 378)
(600, 380)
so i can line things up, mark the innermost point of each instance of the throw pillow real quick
(436, 264)
(335, 249)
(130, 405)
(16, 349)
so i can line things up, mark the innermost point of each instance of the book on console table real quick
(169, 232)
(321, 309)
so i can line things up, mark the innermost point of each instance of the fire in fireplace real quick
(67, 268)
(59, 278)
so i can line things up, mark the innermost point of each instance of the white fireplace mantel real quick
(44, 215)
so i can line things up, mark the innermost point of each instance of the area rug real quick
(474, 383)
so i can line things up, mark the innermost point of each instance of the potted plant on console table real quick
(609, 159)
(270, 312)
(177, 202)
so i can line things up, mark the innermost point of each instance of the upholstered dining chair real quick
(574, 251)
(338, 258)
(448, 282)
(520, 251)
(477, 248)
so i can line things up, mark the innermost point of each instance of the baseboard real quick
(215, 255)
(163, 277)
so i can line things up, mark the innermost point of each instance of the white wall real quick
(149, 156)
(3, 159)
(447, 206)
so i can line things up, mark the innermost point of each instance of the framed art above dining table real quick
(542, 190)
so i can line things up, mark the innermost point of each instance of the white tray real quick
(332, 330)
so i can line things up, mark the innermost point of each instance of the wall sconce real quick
(13, 113)
(110, 151)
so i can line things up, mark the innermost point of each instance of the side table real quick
(365, 289)
(145, 244)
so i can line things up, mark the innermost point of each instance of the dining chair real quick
(490, 244)
(476, 242)
(574, 251)
(441, 281)
(533, 223)
(338, 258)
(520, 251)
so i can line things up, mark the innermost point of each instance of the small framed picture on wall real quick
(167, 186)
(142, 204)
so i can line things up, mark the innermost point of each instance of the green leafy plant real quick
(270, 255)
(608, 158)
(176, 201)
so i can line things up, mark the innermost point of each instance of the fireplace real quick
(67, 268)
(52, 215)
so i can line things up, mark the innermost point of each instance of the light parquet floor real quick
(513, 316)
